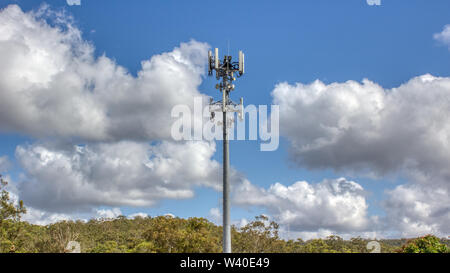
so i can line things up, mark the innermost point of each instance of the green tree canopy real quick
(10, 214)
(425, 244)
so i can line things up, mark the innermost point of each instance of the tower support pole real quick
(226, 190)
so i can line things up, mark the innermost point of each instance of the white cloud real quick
(338, 204)
(52, 85)
(40, 217)
(215, 215)
(73, 2)
(339, 207)
(108, 213)
(5, 164)
(373, 2)
(415, 210)
(43, 217)
(324, 233)
(33, 215)
(444, 36)
(114, 174)
(241, 223)
(138, 214)
(361, 126)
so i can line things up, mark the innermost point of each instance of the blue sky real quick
(284, 41)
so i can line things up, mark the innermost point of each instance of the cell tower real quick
(225, 71)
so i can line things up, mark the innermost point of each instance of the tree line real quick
(169, 234)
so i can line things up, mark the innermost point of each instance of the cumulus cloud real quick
(138, 214)
(444, 36)
(337, 204)
(73, 2)
(373, 2)
(108, 213)
(113, 174)
(360, 126)
(33, 215)
(339, 207)
(52, 85)
(41, 217)
(5, 164)
(363, 128)
(415, 210)
(215, 215)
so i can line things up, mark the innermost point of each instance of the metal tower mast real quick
(226, 71)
